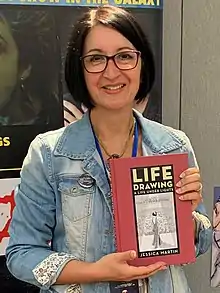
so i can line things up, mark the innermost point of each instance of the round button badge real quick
(86, 181)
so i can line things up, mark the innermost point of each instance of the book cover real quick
(149, 217)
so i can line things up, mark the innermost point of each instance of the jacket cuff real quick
(47, 271)
(203, 233)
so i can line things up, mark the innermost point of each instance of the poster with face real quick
(30, 94)
(29, 71)
(33, 95)
(33, 92)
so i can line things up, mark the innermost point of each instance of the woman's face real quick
(8, 62)
(113, 88)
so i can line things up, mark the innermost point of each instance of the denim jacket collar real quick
(158, 139)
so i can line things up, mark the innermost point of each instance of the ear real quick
(26, 73)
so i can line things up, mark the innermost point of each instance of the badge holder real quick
(124, 287)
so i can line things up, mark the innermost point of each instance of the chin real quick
(117, 109)
(117, 102)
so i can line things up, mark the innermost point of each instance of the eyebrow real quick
(100, 51)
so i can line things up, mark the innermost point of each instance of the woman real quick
(28, 68)
(62, 229)
(156, 240)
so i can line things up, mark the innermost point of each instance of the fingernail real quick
(163, 264)
(178, 184)
(178, 190)
(133, 254)
(164, 268)
(181, 197)
(182, 175)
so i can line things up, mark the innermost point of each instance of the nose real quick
(111, 70)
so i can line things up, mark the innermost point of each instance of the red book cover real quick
(149, 216)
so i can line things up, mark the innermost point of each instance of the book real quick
(149, 217)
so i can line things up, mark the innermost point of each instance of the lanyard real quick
(134, 147)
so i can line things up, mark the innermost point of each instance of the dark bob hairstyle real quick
(123, 22)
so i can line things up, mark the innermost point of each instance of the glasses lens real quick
(94, 63)
(126, 60)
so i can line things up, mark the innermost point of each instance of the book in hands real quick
(149, 217)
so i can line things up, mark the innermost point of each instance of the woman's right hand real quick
(115, 267)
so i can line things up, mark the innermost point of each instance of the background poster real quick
(6, 208)
(33, 41)
(215, 263)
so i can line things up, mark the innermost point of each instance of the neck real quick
(111, 124)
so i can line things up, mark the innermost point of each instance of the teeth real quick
(114, 87)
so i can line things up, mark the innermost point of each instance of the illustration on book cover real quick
(154, 209)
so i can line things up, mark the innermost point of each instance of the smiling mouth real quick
(114, 87)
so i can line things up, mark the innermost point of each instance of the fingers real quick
(150, 274)
(114, 267)
(189, 171)
(145, 271)
(151, 268)
(191, 187)
(141, 271)
(194, 196)
(126, 255)
(189, 179)
(190, 182)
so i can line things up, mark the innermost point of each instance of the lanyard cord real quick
(134, 147)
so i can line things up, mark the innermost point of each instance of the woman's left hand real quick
(190, 187)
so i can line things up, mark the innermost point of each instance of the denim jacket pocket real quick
(76, 200)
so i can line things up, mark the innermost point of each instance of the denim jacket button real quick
(74, 189)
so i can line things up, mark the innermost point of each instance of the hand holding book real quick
(190, 186)
(115, 267)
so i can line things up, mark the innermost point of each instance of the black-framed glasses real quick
(96, 63)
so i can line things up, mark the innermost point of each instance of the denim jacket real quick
(58, 219)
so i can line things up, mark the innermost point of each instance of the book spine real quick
(114, 207)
